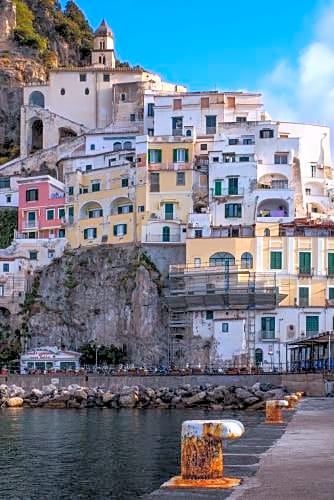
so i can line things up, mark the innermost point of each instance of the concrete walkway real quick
(301, 464)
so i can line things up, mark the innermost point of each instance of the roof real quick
(104, 30)
(321, 338)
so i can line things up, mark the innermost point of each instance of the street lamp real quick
(271, 354)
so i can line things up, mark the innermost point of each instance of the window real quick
(177, 126)
(51, 254)
(281, 158)
(312, 325)
(124, 182)
(247, 140)
(117, 146)
(209, 315)
(211, 124)
(330, 264)
(89, 167)
(180, 178)
(180, 155)
(232, 210)
(215, 159)
(132, 117)
(83, 77)
(169, 211)
(266, 232)
(275, 260)
(123, 97)
(246, 261)
(218, 188)
(61, 213)
(266, 133)
(268, 328)
(2, 290)
(205, 103)
(204, 147)
(120, 229)
(241, 119)
(32, 195)
(303, 296)
(106, 77)
(229, 158)
(154, 182)
(150, 132)
(61, 233)
(86, 91)
(150, 109)
(125, 209)
(188, 133)
(90, 233)
(5, 268)
(243, 158)
(50, 214)
(128, 145)
(62, 92)
(33, 255)
(8, 198)
(233, 185)
(233, 142)
(308, 191)
(198, 233)
(331, 293)
(4, 183)
(224, 327)
(95, 213)
(154, 155)
(71, 190)
(305, 263)
(92, 147)
(95, 186)
(166, 233)
(197, 261)
(141, 208)
(177, 104)
(313, 170)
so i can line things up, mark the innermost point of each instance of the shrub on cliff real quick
(8, 222)
(25, 33)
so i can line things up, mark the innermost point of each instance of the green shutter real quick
(186, 159)
(331, 263)
(149, 156)
(174, 155)
(305, 262)
(159, 156)
(85, 234)
(125, 228)
(227, 210)
(312, 324)
(218, 190)
(233, 185)
(275, 260)
(239, 210)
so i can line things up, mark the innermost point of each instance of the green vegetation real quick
(25, 32)
(30, 297)
(73, 27)
(8, 222)
(109, 355)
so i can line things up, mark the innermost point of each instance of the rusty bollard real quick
(300, 394)
(202, 454)
(274, 411)
(292, 399)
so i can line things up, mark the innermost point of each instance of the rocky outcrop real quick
(208, 396)
(109, 295)
(7, 20)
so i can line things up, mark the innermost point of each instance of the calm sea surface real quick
(98, 454)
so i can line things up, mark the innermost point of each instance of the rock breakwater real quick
(215, 397)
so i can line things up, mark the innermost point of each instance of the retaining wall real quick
(311, 383)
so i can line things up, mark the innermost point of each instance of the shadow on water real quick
(98, 454)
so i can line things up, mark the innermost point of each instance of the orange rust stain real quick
(202, 458)
(273, 413)
(292, 400)
(221, 483)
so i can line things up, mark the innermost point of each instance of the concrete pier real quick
(294, 461)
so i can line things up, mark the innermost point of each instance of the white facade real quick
(9, 194)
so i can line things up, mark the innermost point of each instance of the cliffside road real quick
(300, 465)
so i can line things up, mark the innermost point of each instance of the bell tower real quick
(103, 53)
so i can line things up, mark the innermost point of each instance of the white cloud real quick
(304, 90)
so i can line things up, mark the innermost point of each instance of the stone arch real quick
(127, 145)
(36, 135)
(117, 146)
(246, 260)
(222, 259)
(91, 210)
(65, 134)
(36, 98)
(119, 202)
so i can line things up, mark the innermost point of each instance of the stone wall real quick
(312, 384)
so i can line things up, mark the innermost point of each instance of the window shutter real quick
(115, 230)
(331, 263)
(131, 209)
(159, 155)
(124, 228)
(174, 155)
(218, 190)
(95, 232)
(186, 158)
(239, 210)
(85, 234)
(119, 210)
(226, 210)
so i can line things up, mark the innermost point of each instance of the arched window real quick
(188, 133)
(267, 232)
(127, 145)
(246, 261)
(100, 60)
(166, 233)
(117, 146)
(36, 98)
(62, 92)
(104, 59)
(87, 91)
(222, 259)
(258, 356)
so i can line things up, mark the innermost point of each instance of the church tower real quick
(103, 53)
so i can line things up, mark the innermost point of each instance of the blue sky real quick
(284, 49)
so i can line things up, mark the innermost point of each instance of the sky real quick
(283, 49)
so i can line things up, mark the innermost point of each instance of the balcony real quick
(267, 336)
(177, 132)
(304, 272)
(240, 191)
(211, 130)
(273, 209)
(160, 238)
(30, 224)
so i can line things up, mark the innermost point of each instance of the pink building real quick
(41, 207)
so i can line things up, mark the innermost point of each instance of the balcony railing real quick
(30, 224)
(159, 238)
(279, 186)
(211, 130)
(272, 213)
(229, 192)
(267, 335)
(305, 272)
(177, 132)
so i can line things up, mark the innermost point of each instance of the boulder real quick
(15, 402)
(242, 394)
(53, 403)
(107, 397)
(217, 407)
(49, 389)
(80, 394)
(197, 399)
(251, 400)
(36, 393)
(274, 394)
(75, 404)
(221, 393)
(128, 400)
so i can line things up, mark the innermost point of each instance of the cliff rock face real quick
(7, 19)
(106, 295)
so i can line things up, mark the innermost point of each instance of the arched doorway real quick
(36, 98)
(36, 136)
(222, 259)
(166, 233)
(258, 357)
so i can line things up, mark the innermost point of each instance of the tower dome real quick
(104, 30)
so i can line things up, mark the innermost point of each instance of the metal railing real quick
(211, 130)
(240, 191)
(159, 238)
(177, 132)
